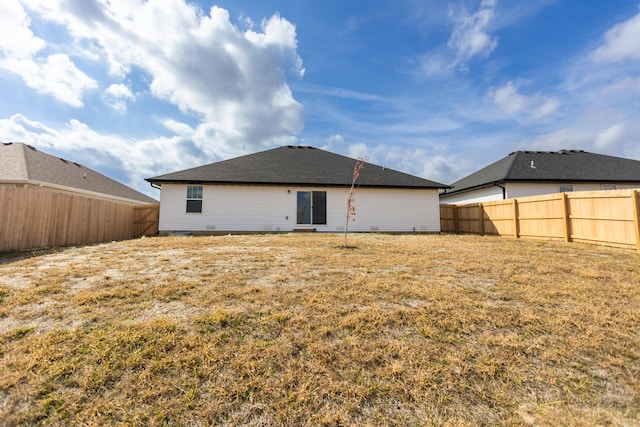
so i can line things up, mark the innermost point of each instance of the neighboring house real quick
(294, 188)
(24, 165)
(532, 173)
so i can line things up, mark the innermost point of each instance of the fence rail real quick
(33, 218)
(598, 217)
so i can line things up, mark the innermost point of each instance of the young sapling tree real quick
(351, 199)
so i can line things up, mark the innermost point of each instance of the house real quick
(532, 173)
(294, 188)
(24, 166)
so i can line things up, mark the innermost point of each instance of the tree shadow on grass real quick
(12, 256)
(348, 247)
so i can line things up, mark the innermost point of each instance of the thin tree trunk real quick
(351, 208)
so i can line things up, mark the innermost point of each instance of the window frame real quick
(194, 198)
(317, 204)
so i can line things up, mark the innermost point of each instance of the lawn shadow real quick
(347, 247)
(12, 256)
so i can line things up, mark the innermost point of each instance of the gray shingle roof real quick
(294, 165)
(552, 166)
(21, 163)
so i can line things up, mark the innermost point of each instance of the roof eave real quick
(66, 189)
(569, 180)
(545, 180)
(475, 187)
(289, 184)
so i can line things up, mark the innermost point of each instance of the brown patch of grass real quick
(291, 329)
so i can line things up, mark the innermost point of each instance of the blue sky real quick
(434, 88)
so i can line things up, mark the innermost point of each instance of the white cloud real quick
(55, 74)
(18, 128)
(595, 132)
(276, 31)
(145, 158)
(423, 162)
(120, 91)
(470, 37)
(178, 128)
(570, 137)
(620, 42)
(546, 107)
(335, 139)
(435, 64)
(510, 101)
(360, 151)
(338, 93)
(625, 85)
(611, 137)
(16, 39)
(234, 81)
(117, 96)
(599, 92)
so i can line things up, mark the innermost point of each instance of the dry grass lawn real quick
(294, 330)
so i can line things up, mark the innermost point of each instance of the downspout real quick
(504, 190)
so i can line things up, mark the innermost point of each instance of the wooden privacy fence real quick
(33, 218)
(598, 217)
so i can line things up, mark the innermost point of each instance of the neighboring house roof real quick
(294, 165)
(24, 164)
(552, 166)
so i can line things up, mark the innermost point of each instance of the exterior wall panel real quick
(527, 189)
(521, 189)
(273, 209)
(476, 196)
(404, 210)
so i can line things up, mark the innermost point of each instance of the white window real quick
(608, 186)
(565, 188)
(194, 198)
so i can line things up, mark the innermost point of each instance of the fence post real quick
(481, 218)
(567, 219)
(516, 221)
(636, 216)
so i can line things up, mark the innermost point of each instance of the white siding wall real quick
(515, 190)
(392, 210)
(524, 189)
(482, 195)
(267, 208)
(627, 186)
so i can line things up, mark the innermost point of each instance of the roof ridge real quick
(23, 158)
(512, 164)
